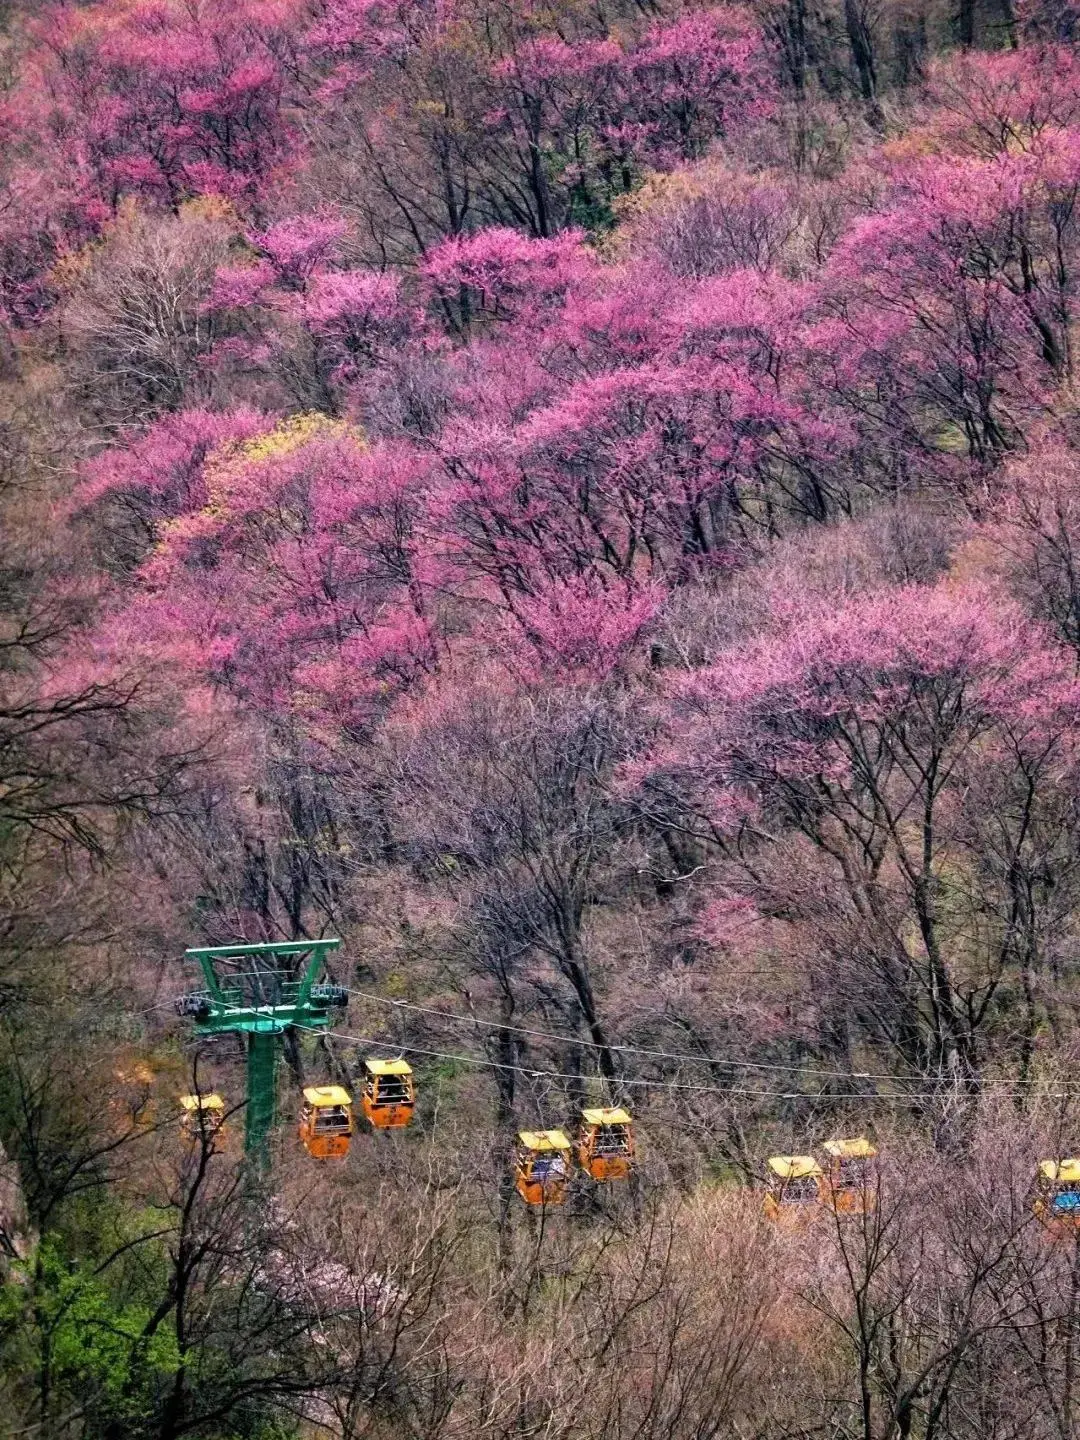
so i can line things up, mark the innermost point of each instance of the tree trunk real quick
(967, 23)
(16, 1237)
(576, 971)
(862, 49)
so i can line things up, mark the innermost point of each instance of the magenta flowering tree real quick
(501, 275)
(169, 100)
(947, 315)
(643, 432)
(629, 475)
(136, 490)
(706, 75)
(156, 101)
(600, 111)
(286, 570)
(1034, 528)
(42, 217)
(988, 104)
(497, 117)
(294, 250)
(550, 98)
(294, 312)
(914, 743)
(579, 628)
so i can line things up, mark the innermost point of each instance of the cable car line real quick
(604, 1143)
(540, 1072)
(635, 1049)
(791, 1066)
(534, 1072)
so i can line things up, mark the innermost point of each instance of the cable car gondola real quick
(326, 1121)
(849, 1184)
(201, 1115)
(389, 1093)
(542, 1166)
(1057, 1195)
(794, 1191)
(605, 1143)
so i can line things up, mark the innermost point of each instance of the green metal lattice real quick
(262, 1000)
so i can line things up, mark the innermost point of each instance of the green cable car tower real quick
(260, 991)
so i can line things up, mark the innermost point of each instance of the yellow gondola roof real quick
(388, 1067)
(1068, 1171)
(794, 1167)
(543, 1140)
(322, 1096)
(857, 1149)
(202, 1102)
(611, 1116)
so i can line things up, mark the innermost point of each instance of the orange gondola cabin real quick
(1056, 1202)
(201, 1115)
(793, 1192)
(542, 1166)
(849, 1184)
(605, 1143)
(389, 1093)
(326, 1122)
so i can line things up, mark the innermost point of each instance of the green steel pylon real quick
(254, 990)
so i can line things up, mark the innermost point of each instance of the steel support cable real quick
(542, 1072)
(771, 1066)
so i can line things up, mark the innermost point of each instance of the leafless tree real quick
(136, 323)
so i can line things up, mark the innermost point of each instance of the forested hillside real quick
(581, 502)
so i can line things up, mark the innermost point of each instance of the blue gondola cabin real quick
(1057, 1195)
